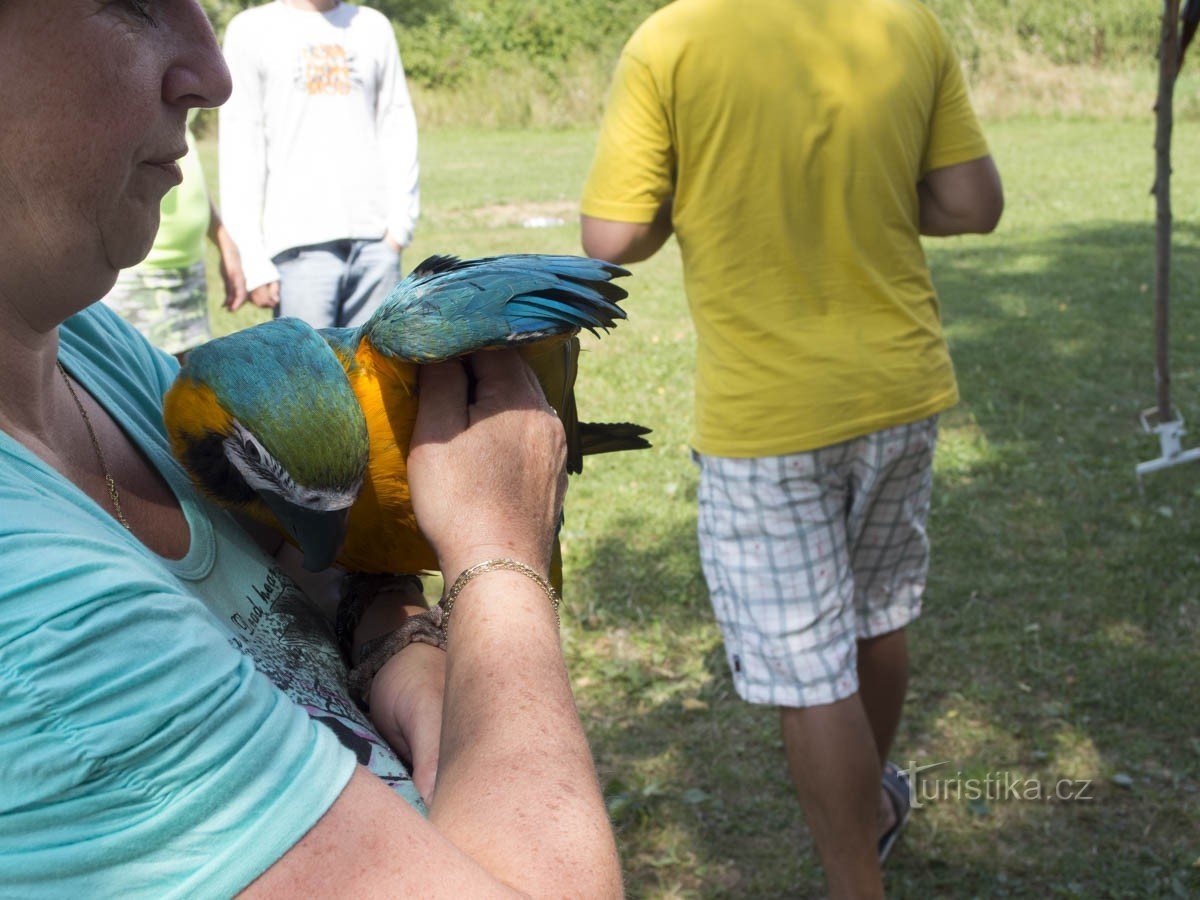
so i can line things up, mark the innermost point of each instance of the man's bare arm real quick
(967, 198)
(626, 242)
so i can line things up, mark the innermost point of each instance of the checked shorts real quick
(806, 553)
(168, 306)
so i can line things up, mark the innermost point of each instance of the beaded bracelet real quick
(491, 565)
(359, 590)
(427, 627)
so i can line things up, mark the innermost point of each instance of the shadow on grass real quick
(694, 777)
(1062, 620)
(1059, 637)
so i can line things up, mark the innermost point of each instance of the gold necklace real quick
(108, 479)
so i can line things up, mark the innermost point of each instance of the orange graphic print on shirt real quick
(326, 69)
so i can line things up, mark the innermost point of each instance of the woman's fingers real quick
(442, 410)
(489, 474)
(503, 378)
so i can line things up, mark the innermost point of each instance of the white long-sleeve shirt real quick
(318, 141)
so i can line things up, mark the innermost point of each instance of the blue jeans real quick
(335, 284)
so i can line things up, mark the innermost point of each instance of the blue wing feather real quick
(447, 307)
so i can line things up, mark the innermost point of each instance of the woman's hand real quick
(406, 707)
(406, 693)
(487, 477)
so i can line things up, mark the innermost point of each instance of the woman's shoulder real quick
(110, 355)
(101, 328)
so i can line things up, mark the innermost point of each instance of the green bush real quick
(518, 63)
(448, 42)
(444, 41)
(1093, 32)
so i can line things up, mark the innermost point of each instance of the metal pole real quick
(1168, 68)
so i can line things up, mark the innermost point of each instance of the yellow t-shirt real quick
(792, 136)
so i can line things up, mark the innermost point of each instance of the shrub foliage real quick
(547, 62)
(1074, 32)
(447, 42)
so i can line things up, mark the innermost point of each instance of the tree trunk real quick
(1168, 68)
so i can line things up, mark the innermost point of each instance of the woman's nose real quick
(198, 75)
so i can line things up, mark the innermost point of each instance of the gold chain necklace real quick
(108, 479)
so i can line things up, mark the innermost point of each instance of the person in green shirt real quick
(166, 296)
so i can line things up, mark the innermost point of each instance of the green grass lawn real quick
(1062, 623)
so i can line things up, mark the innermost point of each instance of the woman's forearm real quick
(516, 782)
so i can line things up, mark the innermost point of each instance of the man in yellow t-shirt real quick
(798, 151)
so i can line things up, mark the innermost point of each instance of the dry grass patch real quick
(527, 214)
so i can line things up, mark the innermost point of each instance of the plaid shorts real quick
(168, 306)
(805, 553)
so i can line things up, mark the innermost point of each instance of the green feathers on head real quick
(283, 384)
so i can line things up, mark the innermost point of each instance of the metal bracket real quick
(1170, 435)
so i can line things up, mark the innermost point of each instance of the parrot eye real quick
(255, 462)
(251, 452)
(262, 472)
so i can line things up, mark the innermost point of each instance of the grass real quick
(1062, 621)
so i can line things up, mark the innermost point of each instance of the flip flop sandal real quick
(899, 792)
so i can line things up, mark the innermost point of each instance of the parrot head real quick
(265, 422)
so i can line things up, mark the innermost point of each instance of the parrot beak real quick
(319, 533)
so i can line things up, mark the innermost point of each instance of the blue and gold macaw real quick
(238, 415)
(309, 431)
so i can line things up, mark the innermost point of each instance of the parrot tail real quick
(609, 437)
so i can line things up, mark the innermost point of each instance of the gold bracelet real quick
(491, 565)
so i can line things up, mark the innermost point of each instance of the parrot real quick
(235, 418)
(308, 430)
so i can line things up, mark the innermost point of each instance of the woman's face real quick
(94, 96)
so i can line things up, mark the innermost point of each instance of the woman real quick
(141, 752)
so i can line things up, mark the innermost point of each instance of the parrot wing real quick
(449, 307)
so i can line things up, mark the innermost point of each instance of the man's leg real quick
(889, 549)
(372, 271)
(310, 282)
(772, 543)
(832, 760)
(882, 684)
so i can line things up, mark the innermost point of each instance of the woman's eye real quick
(140, 10)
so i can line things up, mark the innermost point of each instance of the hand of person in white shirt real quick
(393, 243)
(266, 296)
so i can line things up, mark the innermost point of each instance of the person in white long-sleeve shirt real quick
(318, 157)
